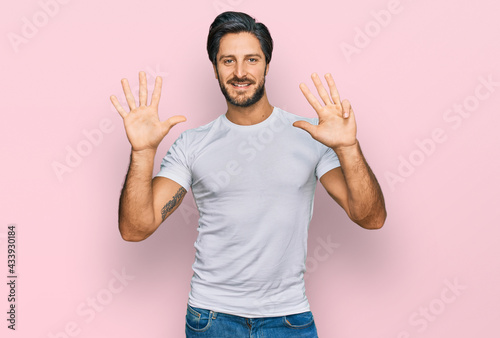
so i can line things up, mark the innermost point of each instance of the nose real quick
(240, 70)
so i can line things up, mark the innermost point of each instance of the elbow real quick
(373, 222)
(130, 235)
(375, 225)
(132, 238)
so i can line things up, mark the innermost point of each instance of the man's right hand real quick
(142, 124)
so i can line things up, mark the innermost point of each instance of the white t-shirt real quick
(254, 188)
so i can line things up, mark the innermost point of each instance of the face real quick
(241, 69)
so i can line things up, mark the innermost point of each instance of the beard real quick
(242, 100)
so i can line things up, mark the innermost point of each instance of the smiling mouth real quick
(241, 85)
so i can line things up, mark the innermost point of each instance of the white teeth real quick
(244, 85)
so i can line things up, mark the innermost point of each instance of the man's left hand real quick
(336, 126)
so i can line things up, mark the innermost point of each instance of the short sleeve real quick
(175, 164)
(327, 161)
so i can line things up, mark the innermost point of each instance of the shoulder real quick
(193, 134)
(194, 139)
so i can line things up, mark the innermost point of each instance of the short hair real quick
(237, 22)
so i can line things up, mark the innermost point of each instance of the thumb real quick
(310, 128)
(172, 121)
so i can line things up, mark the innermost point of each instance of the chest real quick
(235, 164)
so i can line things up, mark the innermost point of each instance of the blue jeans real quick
(208, 323)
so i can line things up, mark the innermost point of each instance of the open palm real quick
(142, 124)
(336, 124)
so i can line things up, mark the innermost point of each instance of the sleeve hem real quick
(326, 168)
(176, 179)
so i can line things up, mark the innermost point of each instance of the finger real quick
(310, 97)
(143, 89)
(118, 106)
(155, 98)
(346, 108)
(333, 89)
(310, 128)
(172, 121)
(321, 90)
(351, 113)
(128, 94)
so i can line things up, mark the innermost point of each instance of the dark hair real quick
(237, 22)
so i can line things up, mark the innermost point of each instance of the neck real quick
(253, 114)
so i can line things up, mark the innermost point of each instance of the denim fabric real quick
(208, 323)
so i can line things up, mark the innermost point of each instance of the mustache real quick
(243, 80)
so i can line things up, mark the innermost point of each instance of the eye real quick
(252, 60)
(227, 61)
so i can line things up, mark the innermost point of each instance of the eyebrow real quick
(230, 55)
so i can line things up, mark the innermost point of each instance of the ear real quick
(215, 71)
(267, 70)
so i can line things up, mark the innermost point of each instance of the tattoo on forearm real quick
(172, 203)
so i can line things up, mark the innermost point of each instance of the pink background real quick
(405, 80)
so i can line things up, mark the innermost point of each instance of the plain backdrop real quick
(424, 82)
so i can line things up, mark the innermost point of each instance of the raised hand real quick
(142, 124)
(336, 127)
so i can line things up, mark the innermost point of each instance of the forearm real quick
(365, 198)
(136, 211)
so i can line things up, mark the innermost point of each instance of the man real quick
(253, 173)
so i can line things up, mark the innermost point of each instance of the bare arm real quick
(355, 188)
(140, 210)
(145, 203)
(353, 185)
